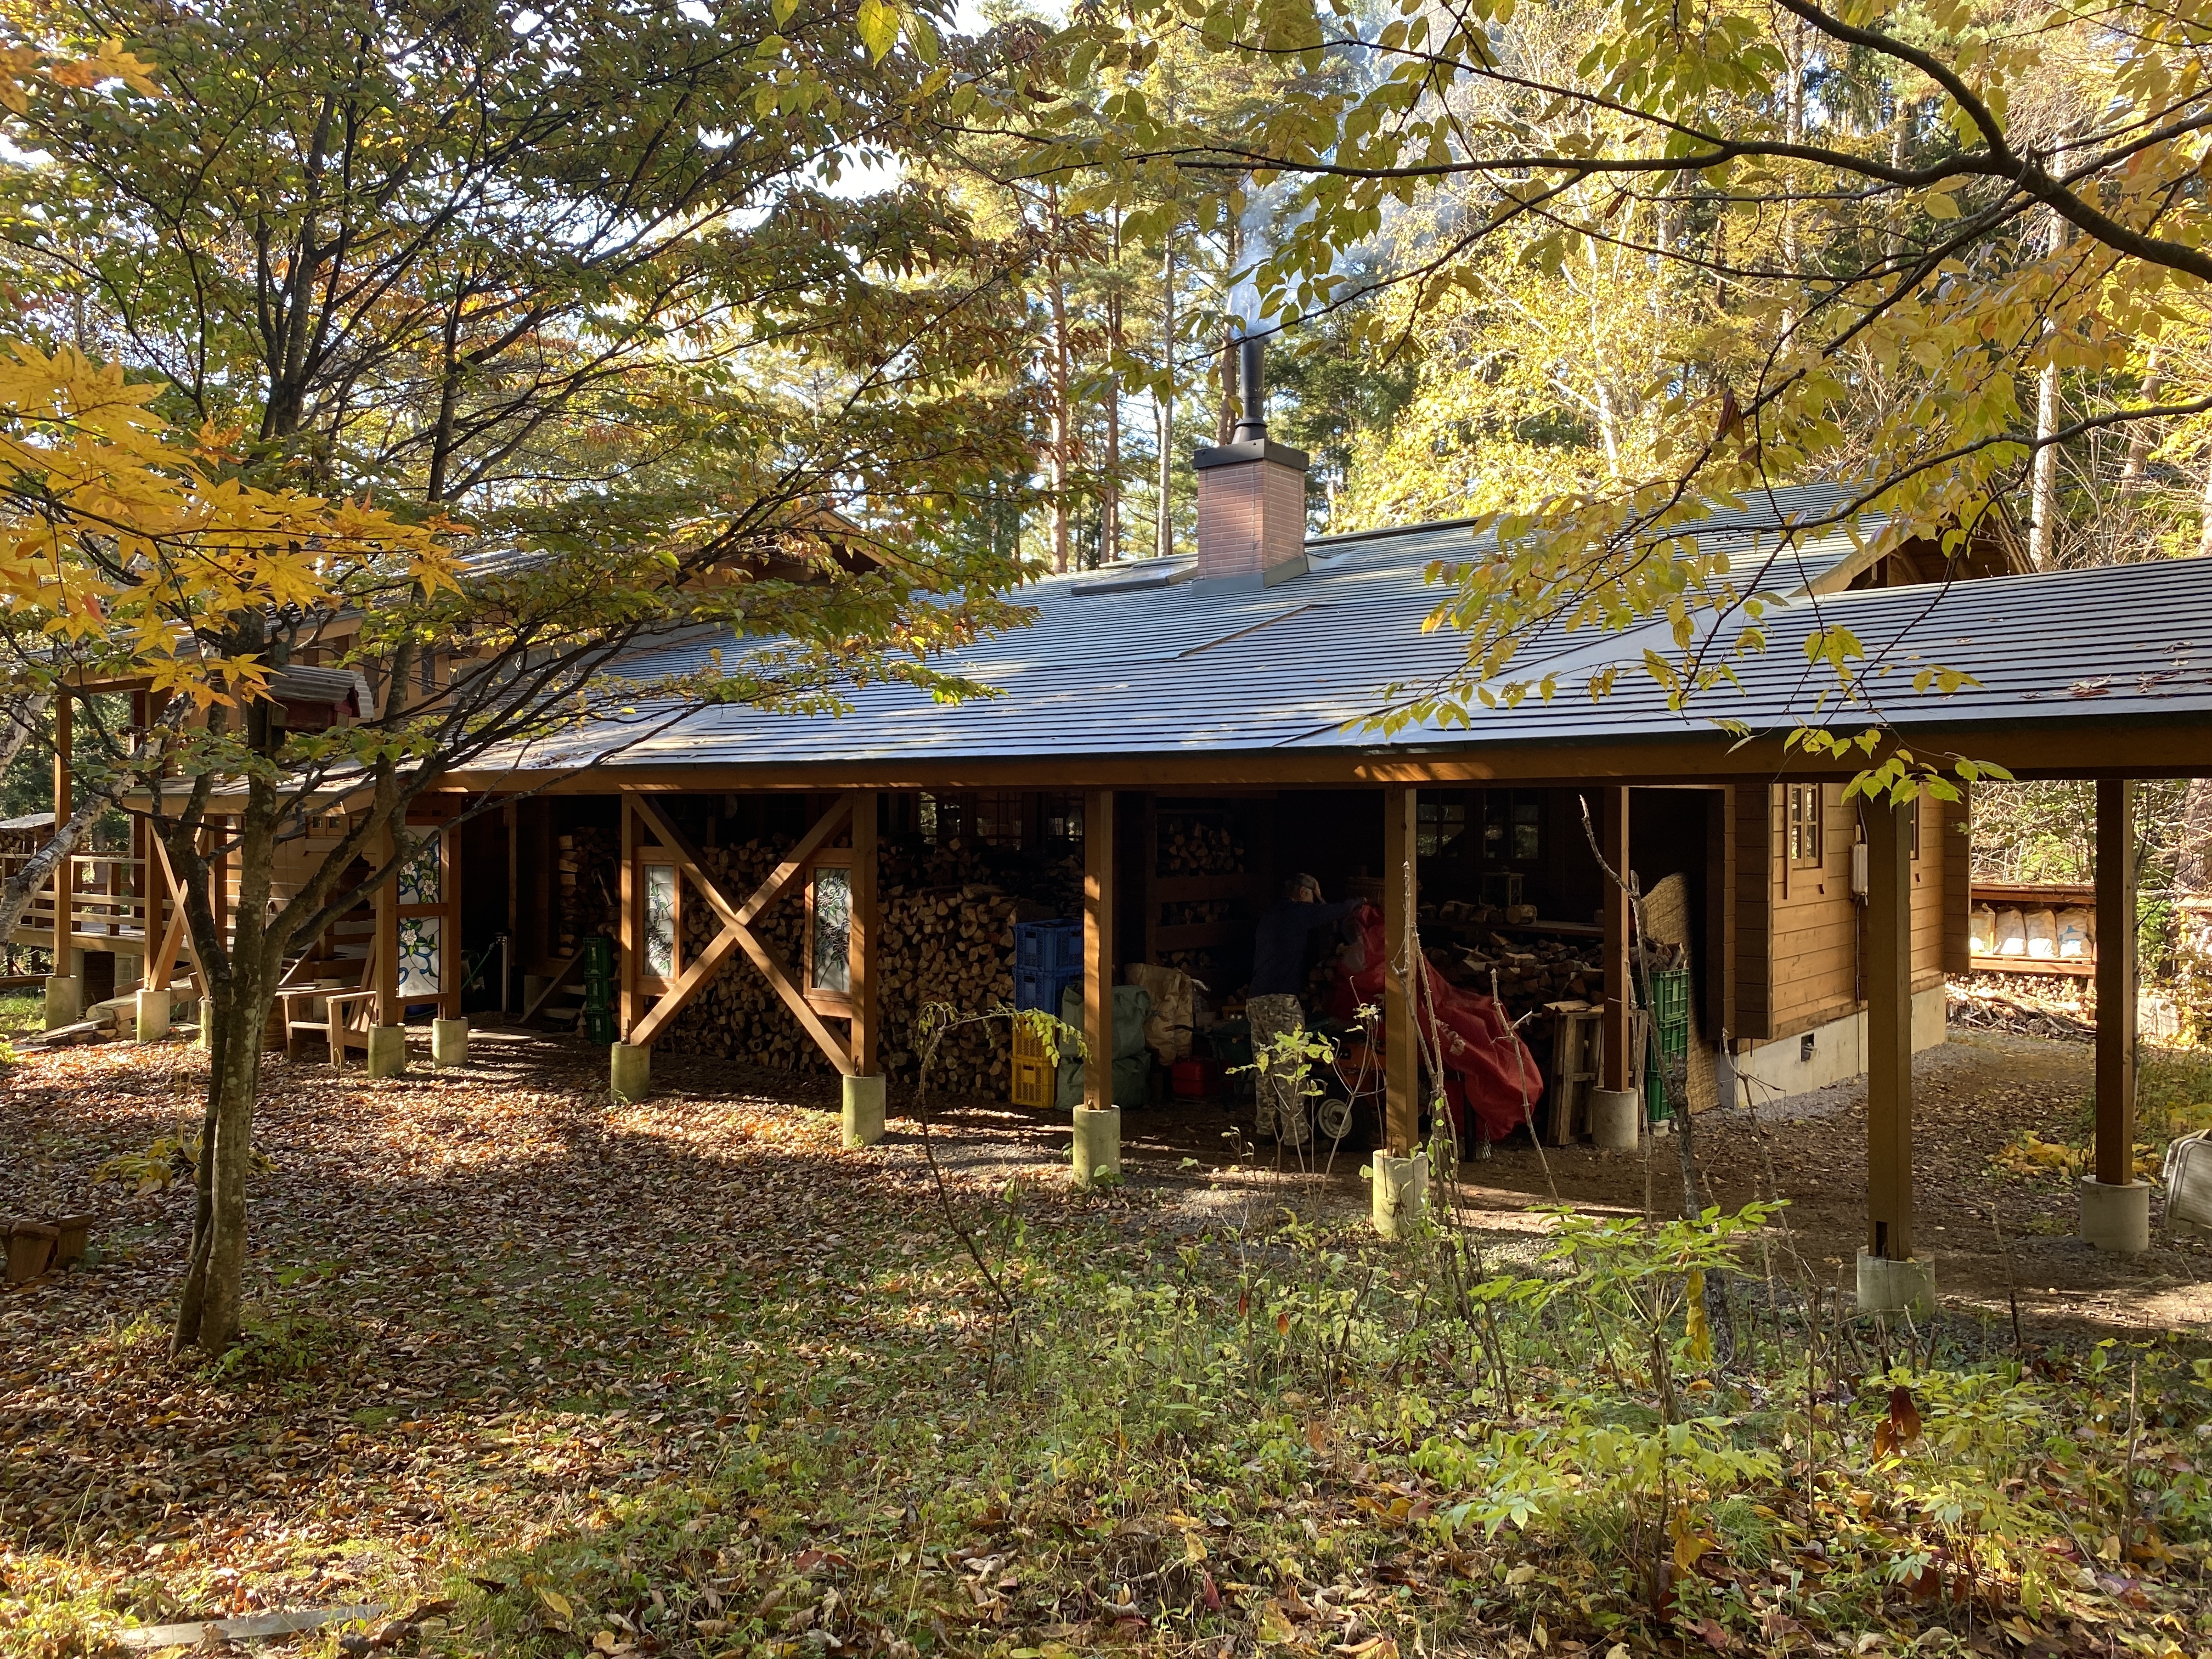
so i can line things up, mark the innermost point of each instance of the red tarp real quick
(1488, 1069)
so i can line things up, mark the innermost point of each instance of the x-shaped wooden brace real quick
(737, 932)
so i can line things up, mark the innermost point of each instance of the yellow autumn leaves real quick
(118, 529)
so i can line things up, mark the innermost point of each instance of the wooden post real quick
(64, 870)
(1097, 949)
(1889, 1031)
(860, 952)
(452, 961)
(1619, 1072)
(1402, 1051)
(388, 1012)
(629, 934)
(512, 955)
(2115, 983)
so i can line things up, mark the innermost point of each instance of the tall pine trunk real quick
(1163, 529)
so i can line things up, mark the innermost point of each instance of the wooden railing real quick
(106, 900)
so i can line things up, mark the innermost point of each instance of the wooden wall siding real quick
(1758, 838)
(1813, 936)
(1958, 819)
(1928, 885)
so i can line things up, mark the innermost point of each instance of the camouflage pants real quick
(1278, 1111)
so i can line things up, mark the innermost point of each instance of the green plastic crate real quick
(1670, 1010)
(1658, 1105)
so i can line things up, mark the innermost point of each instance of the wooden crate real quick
(1578, 1062)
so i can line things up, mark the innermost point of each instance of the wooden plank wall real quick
(1799, 930)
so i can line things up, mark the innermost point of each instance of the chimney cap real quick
(1258, 449)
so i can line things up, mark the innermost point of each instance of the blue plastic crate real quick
(1035, 988)
(1051, 947)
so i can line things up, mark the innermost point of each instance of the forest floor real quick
(533, 1372)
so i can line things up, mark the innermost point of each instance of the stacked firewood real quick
(585, 901)
(1529, 972)
(947, 938)
(1192, 845)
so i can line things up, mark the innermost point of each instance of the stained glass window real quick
(832, 929)
(418, 956)
(418, 877)
(660, 919)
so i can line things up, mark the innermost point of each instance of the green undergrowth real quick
(1288, 1438)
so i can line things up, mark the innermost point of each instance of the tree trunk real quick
(2042, 494)
(2140, 436)
(2192, 872)
(242, 974)
(1062, 415)
(1109, 505)
(19, 720)
(1163, 531)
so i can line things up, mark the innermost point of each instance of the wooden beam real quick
(1620, 1073)
(737, 927)
(866, 928)
(771, 966)
(1402, 1047)
(686, 985)
(1097, 949)
(1889, 1030)
(2077, 748)
(772, 890)
(2115, 983)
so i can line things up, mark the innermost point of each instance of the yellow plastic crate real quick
(1035, 1081)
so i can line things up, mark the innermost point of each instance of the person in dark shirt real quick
(1272, 1006)
(1279, 944)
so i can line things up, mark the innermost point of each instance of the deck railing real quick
(106, 900)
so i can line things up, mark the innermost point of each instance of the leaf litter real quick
(565, 1377)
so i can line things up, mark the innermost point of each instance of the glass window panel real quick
(832, 929)
(1528, 829)
(660, 919)
(419, 955)
(418, 877)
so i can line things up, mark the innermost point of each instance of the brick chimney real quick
(1251, 496)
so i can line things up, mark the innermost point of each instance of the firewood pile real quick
(586, 902)
(1530, 972)
(1994, 1003)
(1190, 846)
(947, 937)
(1180, 912)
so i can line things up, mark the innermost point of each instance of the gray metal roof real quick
(1124, 663)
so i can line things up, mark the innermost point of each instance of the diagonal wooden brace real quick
(736, 931)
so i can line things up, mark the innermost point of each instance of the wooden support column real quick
(1097, 949)
(628, 930)
(1619, 1073)
(1402, 1051)
(1889, 1031)
(866, 928)
(2115, 981)
(388, 1012)
(512, 956)
(65, 871)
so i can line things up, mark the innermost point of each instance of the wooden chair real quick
(346, 1015)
